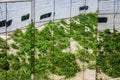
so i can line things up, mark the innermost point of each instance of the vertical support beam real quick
(114, 16)
(32, 39)
(33, 11)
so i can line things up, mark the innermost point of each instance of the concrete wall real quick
(62, 10)
(111, 10)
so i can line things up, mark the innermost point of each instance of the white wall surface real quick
(62, 10)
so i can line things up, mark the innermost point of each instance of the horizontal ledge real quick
(10, 1)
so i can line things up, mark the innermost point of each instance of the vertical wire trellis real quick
(53, 32)
(6, 33)
(32, 39)
(84, 44)
(97, 68)
(33, 33)
(114, 13)
(6, 39)
(96, 76)
(70, 28)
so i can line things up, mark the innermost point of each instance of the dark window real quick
(102, 19)
(83, 8)
(25, 17)
(2, 23)
(45, 15)
(86, 7)
(9, 23)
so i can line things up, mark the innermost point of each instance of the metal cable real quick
(53, 32)
(6, 41)
(84, 44)
(70, 27)
(32, 39)
(96, 76)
